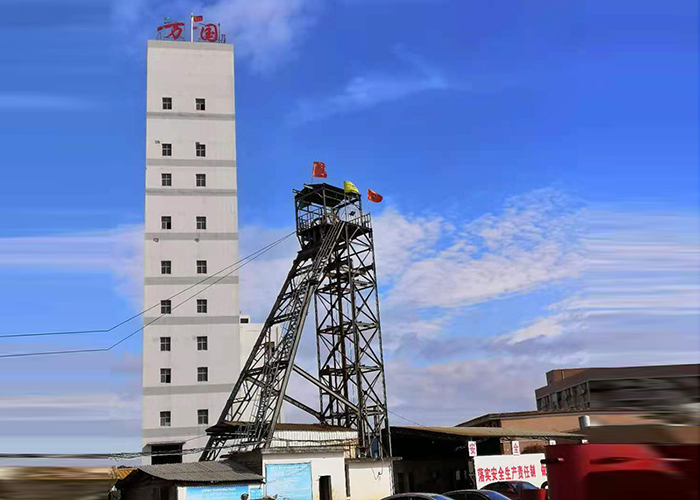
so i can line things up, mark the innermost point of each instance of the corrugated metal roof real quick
(490, 432)
(121, 472)
(201, 472)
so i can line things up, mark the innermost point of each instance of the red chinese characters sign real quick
(493, 468)
(209, 33)
(472, 448)
(200, 32)
(171, 31)
(515, 447)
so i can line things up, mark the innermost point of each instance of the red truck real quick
(622, 471)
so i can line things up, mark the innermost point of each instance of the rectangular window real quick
(165, 307)
(165, 343)
(200, 149)
(166, 222)
(203, 417)
(201, 223)
(202, 374)
(202, 306)
(201, 180)
(167, 149)
(165, 419)
(199, 104)
(201, 267)
(165, 267)
(202, 343)
(165, 375)
(166, 180)
(245, 320)
(167, 103)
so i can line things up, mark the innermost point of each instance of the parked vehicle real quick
(510, 489)
(475, 495)
(417, 496)
(622, 471)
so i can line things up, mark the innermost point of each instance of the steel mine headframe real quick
(335, 269)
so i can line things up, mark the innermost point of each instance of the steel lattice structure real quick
(335, 269)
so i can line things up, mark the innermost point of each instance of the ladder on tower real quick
(252, 410)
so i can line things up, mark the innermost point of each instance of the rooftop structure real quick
(651, 389)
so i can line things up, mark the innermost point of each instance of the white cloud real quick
(264, 32)
(544, 327)
(637, 265)
(365, 91)
(450, 393)
(531, 244)
(118, 252)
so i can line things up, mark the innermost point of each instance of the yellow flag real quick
(349, 187)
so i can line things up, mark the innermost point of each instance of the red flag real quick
(319, 169)
(373, 196)
(198, 19)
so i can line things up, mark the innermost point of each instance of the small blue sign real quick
(289, 481)
(223, 492)
(256, 493)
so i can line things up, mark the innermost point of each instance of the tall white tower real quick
(193, 354)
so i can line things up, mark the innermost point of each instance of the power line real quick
(107, 330)
(105, 349)
(406, 419)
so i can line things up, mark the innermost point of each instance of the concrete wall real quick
(183, 72)
(322, 464)
(370, 480)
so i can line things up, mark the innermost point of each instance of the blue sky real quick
(539, 163)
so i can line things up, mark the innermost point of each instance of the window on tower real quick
(167, 149)
(201, 180)
(165, 343)
(165, 419)
(202, 374)
(202, 417)
(165, 307)
(166, 267)
(201, 306)
(201, 223)
(166, 222)
(167, 103)
(165, 374)
(200, 149)
(199, 104)
(166, 180)
(201, 267)
(202, 343)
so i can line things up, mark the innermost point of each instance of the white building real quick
(192, 355)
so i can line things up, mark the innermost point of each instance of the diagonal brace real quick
(324, 387)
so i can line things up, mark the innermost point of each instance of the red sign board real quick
(209, 33)
(175, 32)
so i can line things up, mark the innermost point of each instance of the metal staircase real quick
(250, 414)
